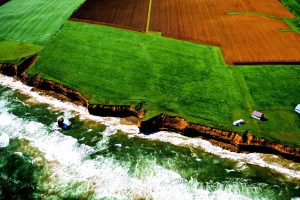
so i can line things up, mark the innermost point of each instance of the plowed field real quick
(244, 38)
(130, 14)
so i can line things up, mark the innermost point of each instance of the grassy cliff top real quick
(14, 52)
(113, 66)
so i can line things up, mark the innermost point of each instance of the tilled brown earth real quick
(131, 14)
(244, 38)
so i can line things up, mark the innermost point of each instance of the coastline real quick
(228, 140)
(279, 164)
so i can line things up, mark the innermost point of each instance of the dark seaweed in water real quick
(17, 174)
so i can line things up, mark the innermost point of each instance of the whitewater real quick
(72, 168)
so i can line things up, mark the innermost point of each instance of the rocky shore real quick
(225, 139)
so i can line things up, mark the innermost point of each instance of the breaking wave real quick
(73, 170)
(287, 168)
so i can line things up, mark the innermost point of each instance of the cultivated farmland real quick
(130, 14)
(114, 66)
(244, 37)
(34, 21)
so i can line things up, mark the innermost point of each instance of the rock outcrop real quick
(114, 111)
(228, 140)
(164, 123)
(8, 69)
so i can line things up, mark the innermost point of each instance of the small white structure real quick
(297, 109)
(63, 123)
(257, 115)
(239, 122)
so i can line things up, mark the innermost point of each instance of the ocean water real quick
(99, 158)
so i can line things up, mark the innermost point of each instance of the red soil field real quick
(131, 14)
(244, 38)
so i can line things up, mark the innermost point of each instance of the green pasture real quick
(114, 66)
(34, 21)
(15, 52)
(275, 91)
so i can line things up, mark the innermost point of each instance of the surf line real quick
(226, 139)
(113, 123)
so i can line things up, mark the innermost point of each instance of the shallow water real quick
(101, 159)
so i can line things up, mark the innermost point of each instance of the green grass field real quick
(15, 52)
(275, 91)
(114, 66)
(34, 21)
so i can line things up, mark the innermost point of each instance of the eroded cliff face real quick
(228, 140)
(114, 111)
(164, 123)
(8, 69)
(63, 93)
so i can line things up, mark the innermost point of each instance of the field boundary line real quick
(149, 16)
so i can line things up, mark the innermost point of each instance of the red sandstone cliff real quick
(228, 140)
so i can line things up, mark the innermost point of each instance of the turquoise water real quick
(96, 161)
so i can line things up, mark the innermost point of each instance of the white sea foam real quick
(113, 124)
(251, 158)
(105, 176)
(4, 140)
(66, 106)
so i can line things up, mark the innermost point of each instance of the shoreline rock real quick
(228, 140)
(114, 111)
